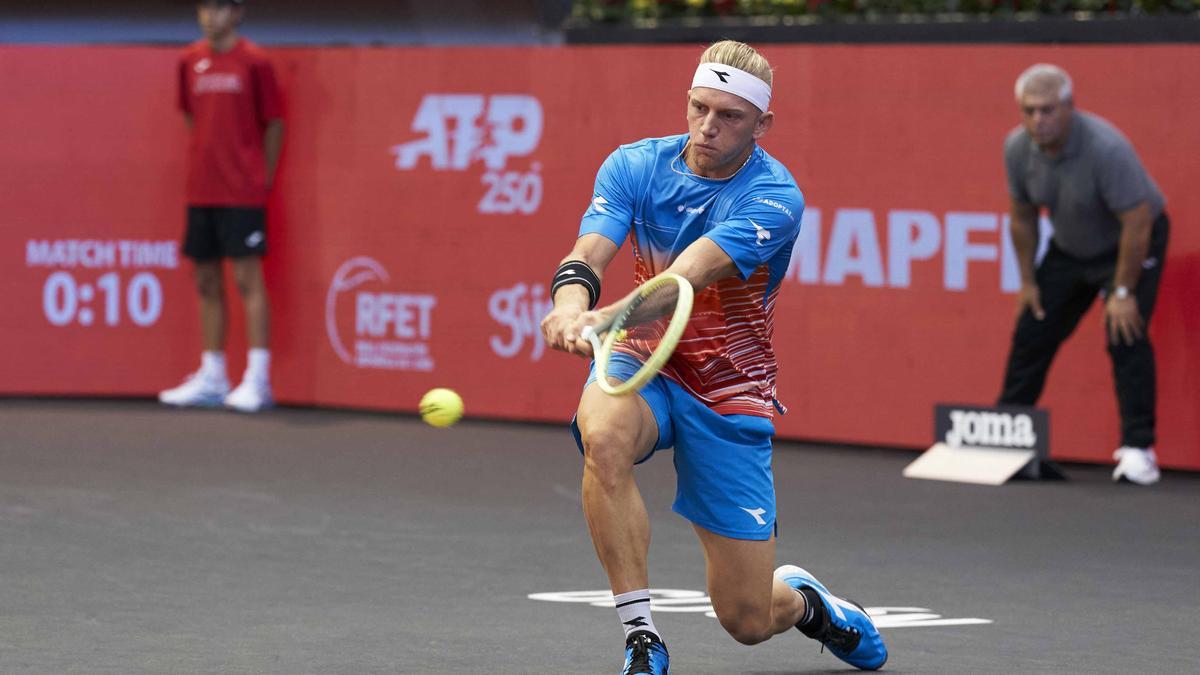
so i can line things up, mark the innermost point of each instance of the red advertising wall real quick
(426, 195)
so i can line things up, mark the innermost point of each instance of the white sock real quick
(258, 364)
(212, 365)
(634, 610)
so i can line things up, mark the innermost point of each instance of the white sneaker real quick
(252, 395)
(200, 390)
(1136, 465)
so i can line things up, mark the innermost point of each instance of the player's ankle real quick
(814, 612)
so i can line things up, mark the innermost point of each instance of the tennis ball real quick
(441, 407)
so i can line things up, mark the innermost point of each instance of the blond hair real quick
(738, 55)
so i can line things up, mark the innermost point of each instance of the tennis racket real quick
(654, 317)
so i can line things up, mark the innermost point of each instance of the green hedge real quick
(631, 10)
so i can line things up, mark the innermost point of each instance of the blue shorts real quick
(722, 462)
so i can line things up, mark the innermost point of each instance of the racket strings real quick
(649, 310)
(648, 326)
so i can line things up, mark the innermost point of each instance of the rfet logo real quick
(462, 129)
(520, 310)
(372, 326)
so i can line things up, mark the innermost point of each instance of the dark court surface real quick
(136, 539)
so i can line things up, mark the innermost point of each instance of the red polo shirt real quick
(231, 96)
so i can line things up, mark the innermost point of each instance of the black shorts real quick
(225, 231)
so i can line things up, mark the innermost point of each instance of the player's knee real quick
(247, 274)
(747, 627)
(1122, 349)
(607, 452)
(209, 284)
(245, 284)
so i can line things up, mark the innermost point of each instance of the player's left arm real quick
(755, 232)
(749, 238)
(270, 114)
(272, 144)
(703, 263)
(1122, 314)
(1125, 189)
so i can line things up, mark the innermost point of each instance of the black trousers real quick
(1068, 286)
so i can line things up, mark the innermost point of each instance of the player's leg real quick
(1065, 297)
(248, 274)
(726, 489)
(244, 239)
(839, 624)
(749, 602)
(615, 433)
(210, 284)
(208, 385)
(1135, 374)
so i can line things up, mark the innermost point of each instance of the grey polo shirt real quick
(1097, 176)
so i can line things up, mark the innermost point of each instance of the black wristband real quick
(577, 272)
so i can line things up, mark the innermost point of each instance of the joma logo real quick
(990, 429)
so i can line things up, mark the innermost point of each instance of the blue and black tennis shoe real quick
(645, 654)
(841, 625)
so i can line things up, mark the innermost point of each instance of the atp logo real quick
(460, 130)
(390, 330)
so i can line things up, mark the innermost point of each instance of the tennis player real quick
(715, 208)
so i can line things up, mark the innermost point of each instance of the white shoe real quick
(199, 390)
(252, 395)
(1136, 465)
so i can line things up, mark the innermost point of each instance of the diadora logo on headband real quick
(734, 81)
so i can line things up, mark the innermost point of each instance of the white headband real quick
(734, 81)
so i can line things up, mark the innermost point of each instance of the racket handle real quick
(589, 333)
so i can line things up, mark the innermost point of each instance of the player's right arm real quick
(1022, 222)
(571, 301)
(1023, 225)
(604, 226)
(184, 100)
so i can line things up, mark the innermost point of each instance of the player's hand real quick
(574, 333)
(1123, 319)
(563, 329)
(555, 325)
(1030, 297)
